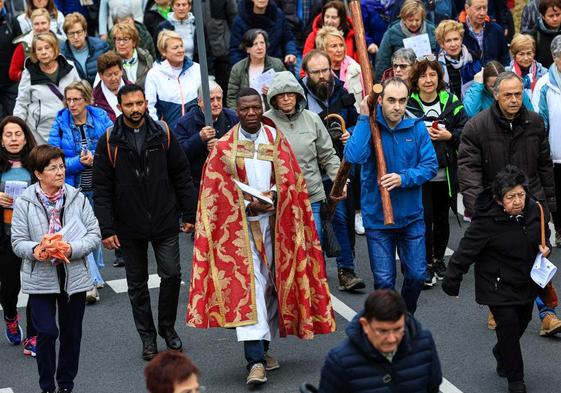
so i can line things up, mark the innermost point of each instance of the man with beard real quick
(142, 182)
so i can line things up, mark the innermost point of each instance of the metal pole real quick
(201, 47)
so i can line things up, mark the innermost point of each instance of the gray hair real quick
(503, 76)
(121, 13)
(406, 54)
(212, 85)
(556, 47)
(468, 2)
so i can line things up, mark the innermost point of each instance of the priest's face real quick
(250, 111)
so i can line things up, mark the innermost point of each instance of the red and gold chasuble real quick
(222, 290)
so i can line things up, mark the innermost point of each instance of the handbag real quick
(548, 293)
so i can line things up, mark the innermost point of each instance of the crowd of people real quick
(106, 139)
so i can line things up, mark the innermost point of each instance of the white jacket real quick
(56, 25)
(546, 100)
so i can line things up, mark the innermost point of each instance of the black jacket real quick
(503, 249)
(9, 29)
(490, 142)
(141, 197)
(355, 366)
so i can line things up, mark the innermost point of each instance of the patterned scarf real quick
(53, 205)
(530, 78)
(132, 61)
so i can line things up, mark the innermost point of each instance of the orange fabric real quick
(222, 292)
(463, 15)
(52, 246)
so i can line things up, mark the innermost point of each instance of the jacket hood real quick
(358, 338)
(70, 193)
(165, 68)
(38, 77)
(285, 82)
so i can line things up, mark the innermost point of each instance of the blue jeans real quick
(95, 275)
(255, 352)
(345, 260)
(410, 244)
(543, 309)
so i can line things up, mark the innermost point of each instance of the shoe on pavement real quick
(551, 325)
(348, 280)
(30, 346)
(430, 281)
(149, 349)
(271, 363)
(359, 227)
(558, 238)
(491, 324)
(119, 262)
(172, 339)
(257, 375)
(92, 296)
(64, 390)
(500, 369)
(516, 387)
(14, 333)
(439, 269)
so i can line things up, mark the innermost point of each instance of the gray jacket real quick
(30, 223)
(306, 134)
(219, 16)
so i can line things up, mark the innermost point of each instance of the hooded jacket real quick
(66, 136)
(310, 43)
(355, 366)
(490, 142)
(306, 134)
(37, 102)
(30, 223)
(393, 40)
(169, 97)
(503, 249)
(547, 101)
(281, 39)
(409, 152)
(96, 47)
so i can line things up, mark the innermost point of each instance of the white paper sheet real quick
(73, 230)
(543, 270)
(15, 188)
(253, 192)
(419, 43)
(264, 79)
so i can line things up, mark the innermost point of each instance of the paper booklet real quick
(543, 270)
(253, 192)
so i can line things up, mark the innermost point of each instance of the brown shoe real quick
(270, 362)
(551, 325)
(348, 280)
(257, 375)
(491, 324)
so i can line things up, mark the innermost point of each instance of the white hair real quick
(212, 85)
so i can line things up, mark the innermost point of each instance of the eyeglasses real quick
(429, 57)
(76, 100)
(514, 195)
(124, 40)
(400, 66)
(54, 168)
(75, 33)
(319, 72)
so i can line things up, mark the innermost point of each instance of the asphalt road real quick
(110, 357)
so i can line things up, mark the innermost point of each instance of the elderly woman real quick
(333, 14)
(412, 23)
(457, 62)
(107, 9)
(76, 130)
(445, 118)
(314, 151)
(503, 240)
(245, 73)
(55, 23)
(111, 73)
(523, 64)
(136, 61)
(82, 50)
(403, 65)
(17, 142)
(56, 284)
(172, 83)
(331, 41)
(123, 15)
(40, 96)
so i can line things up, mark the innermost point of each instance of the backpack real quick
(113, 150)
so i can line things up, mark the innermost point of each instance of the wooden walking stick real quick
(360, 41)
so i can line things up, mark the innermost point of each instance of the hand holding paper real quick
(543, 270)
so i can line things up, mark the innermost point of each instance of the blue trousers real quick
(95, 274)
(255, 352)
(69, 332)
(410, 244)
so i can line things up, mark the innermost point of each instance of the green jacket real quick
(306, 134)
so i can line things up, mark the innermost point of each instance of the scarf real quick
(530, 78)
(408, 33)
(445, 59)
(53, 205)
(132, 61)
(546, 29)
(111, 98)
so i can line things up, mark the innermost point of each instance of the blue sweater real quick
(96, 48)
(409, 152)
(66, 136)
(355, 366)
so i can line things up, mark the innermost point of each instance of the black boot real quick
(172, 339)
(516, 387)
(149, 349)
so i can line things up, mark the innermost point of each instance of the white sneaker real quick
(92, 296)
(359, 228)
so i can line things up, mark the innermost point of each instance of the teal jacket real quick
(478, 98)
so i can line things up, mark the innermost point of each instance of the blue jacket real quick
(477, 98)
(96, 48)
(375, 19)
(65, 135)
(495, 46)
(281, 38)
(355, 366)
(409, 152)
(187, 134)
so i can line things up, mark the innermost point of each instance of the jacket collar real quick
(38, 77)
(404, 124)
(154, 132)
(503, 122)
(70, 194)
(165, 67)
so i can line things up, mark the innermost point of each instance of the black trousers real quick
(69, 331)
(10, 285)
(557, 214)
(436, 203)
(8, 95)
(511, 324)
(135, 253)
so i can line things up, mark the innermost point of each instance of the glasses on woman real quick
(124, 40)
(55, 168)
(397, 66)
(74, 100)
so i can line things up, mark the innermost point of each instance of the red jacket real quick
(310, 43)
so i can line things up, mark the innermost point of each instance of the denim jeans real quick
(543, 309)
(255, 352)
(95, 274)
(410, 244)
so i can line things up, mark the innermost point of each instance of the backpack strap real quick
(165, 126)
(111, 150)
